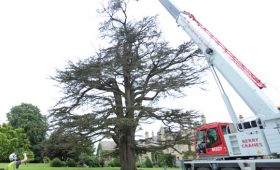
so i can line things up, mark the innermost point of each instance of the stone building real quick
(177, 150)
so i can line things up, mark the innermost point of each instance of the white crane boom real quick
(242, 80)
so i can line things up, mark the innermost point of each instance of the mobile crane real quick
(238, 145)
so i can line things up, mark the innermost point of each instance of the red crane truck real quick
(246, 145)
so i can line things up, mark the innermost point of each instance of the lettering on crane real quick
(251, 143)
(217, 149)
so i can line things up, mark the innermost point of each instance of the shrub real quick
(114, 162)
(71, 162)
(46, 159)
(148, 163)
(165, 159)
(56, 162)
(90, 161)
(94, 162)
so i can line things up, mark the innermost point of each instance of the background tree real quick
(64, 144)
(34, 124)
(13, 140)
(113, 92)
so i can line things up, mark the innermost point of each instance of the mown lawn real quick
(47, 167)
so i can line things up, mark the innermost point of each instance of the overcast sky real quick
(39, 36)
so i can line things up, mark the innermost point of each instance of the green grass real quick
(47, 167)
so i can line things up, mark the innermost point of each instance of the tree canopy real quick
(29, 118)
(13, 140)
(113, 92)
(65, 144)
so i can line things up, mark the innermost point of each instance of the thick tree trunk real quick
(127, 151)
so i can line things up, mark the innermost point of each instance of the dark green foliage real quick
(148, 163)
(56, 162)
(89, 160)
(29, 118)
(114, 162)
(65, 144)
(94, 162)
(71, 163)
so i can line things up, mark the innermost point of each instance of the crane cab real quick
(210, 141)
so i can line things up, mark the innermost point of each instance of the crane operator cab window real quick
(212, 138)
(200, 143)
